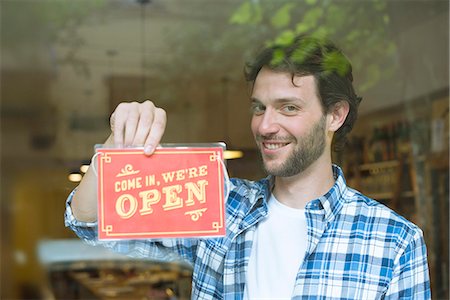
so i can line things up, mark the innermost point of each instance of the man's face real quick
(288, 123)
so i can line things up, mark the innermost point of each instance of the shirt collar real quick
(331, 202)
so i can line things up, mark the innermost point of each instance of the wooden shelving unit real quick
(416, 182)
(389, 182)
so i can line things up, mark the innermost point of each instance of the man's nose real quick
(268, 122)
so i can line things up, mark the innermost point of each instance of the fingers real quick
(138, 124)
(118, 119)
(146, 110)
(156, 132)
(131, 124)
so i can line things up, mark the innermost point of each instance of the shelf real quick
(379, 165)
(390, 195)
(395, 163)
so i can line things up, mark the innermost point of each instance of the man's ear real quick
(337, 115)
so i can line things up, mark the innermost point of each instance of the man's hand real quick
(137, 124)
(132, 124)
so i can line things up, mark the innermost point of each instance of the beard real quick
(307, 151)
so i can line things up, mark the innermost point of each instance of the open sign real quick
(176, 192)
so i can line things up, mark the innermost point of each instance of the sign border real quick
(216, 154)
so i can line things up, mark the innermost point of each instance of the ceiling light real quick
(75, 177)
(232, 154)
(85, 166)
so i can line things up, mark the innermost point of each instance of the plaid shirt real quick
(357, 248)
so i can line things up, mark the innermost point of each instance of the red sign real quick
(176, 192)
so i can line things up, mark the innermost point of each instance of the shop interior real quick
(65, 66)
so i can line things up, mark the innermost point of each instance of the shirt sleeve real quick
(411, 276)
(159, 249)
(85, 230)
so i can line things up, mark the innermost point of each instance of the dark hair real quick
(307, 55)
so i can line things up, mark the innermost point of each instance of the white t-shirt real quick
(278, 250)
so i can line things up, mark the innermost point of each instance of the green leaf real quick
(247, 13)
(320, 33)
(278, 57)
(282, 17)
(285, 38)
(305, 49)
(302, 28)
(336, 62)
(311, 2)
(312, 16)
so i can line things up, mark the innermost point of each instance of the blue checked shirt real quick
(357, 248)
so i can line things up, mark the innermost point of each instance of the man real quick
(301, 232)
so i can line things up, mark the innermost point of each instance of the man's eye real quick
(258, 109)
(289, 108)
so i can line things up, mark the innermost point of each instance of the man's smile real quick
(274, 145)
